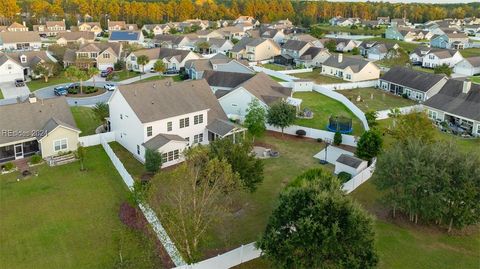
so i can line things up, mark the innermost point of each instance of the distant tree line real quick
(303, 12)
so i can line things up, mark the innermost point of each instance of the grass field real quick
(407, 46)
(475, 79)
(1, 94)
(375, 99)
(318, 78)
(426, 70)
(359, 31)
(174, 78)
(124, 74)
(65, 218)
(85, 119)
(277, 79)
(36, 84)
(133, 166)
(470, 52)
(252, 210)
(275, 67)
(323, 107)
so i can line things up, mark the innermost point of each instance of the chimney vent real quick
(32, 98)
(340, 57)
(467, 85)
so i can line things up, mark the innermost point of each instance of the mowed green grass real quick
(36, 84)
(410, 246)
(275, 67)
(318, 78)
(124, 74)
(85, 119)
(323, 107)
(1, 94)
(475, 79)
(470, 52)
(407, 46)
(65, 218)
(375, 99)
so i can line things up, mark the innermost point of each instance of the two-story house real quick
(437, 57)
(121, 26)
(255, 49)
(292, 50)
(26, 60)
(94, 27)
(415, 85)
(213, 45)
(377, 50)
(156, 29)
(450, 41)
(173, 59)
(167, 117)
(14, 27)
(51, 28)
(173, 42)
(64, 38)
(101, 55)
(350, 68)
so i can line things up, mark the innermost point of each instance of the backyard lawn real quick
(323, 107)
(135, 168)
(124, 74)
(475, 79)
(277, 79)
(65, 218)
(318, 78)
(275, 67)
(375, 99)
(174, 78)
(36, 84)
(1, 94)
(426, 70)
(85, 119)
(252, 210)
(408, 46)
(470, 52)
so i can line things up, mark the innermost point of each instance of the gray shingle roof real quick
(451, 99)
(474, 61)
(294, 44)
(356, 64)
(220, 127)
(161, 53)
(349, 160)
(160, 140)
(156, 100)
(413, 79)
(225, 79)
(28, 117)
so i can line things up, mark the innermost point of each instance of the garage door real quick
(104, 66)
(463, 70)
(10, 77)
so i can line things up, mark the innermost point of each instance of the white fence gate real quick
(96, 139)
(360, 178)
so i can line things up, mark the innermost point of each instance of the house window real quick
(60, 144)
(9, 66)
(198, 119)
(149, 131)
(348, 76)
(170, 156)
(121, 116)
(169, 126)
(432, 114)
(133, 58)
(106, 55)
(198, 138)
(188, 140)
(185, 122)
(138, 149)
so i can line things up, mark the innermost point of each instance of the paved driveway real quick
(10, 91)
(47, 92)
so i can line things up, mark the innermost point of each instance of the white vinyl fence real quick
(349, 140)
(344, 100)
(360, 178)
(296, 71)
(145, 208)
(351, 85)
(274, 73)
(227, 260)
(383, 114)
(96, 139)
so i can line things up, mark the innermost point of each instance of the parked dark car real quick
(19, 82)
(171, 72)
(61, 90)
(106, 72)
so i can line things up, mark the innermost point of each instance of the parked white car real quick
(110, 87)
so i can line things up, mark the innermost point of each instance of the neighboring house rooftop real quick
(28, 116)
(161, 53)
(32, 57)
(311, 53)
(160, 140)
(350, 160)
(125, 35)
(294, 44)
(356, 64)
(225, 79)
(413, 79)
(16, 37)
(452, 99)
(156, 100)
(474, 61)
(55, 24)
(74, 36)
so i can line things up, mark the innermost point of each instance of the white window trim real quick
(60, 140)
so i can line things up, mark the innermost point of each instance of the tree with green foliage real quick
(435, 183)
(255, 119)
(153, 160)
(394, 113)
(371, 117)
(315, 225)
(193, 198)
(159, 67)
(92, 72)
(369, 145)
(415, 124)
(355, 51)
(142, 60)
(76, 74)
(45, 69)
(204, 47)
(331, 45)
(81, 153)
(281, 115)
(242, 160)
(101, 111)
(443, 69)
(337, 138)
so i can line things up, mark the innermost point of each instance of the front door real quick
(18, 151)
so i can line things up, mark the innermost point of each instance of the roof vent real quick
(32, 98)
(340, 57)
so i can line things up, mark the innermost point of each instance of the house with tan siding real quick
(255, 49)
(350, 68)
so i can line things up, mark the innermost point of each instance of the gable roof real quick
(157, 100)
(16, 25)
(55, 23)
(161, 140)
(413, 79)
(312, 52)
(225, 79)
(114, 23)
(294, 44)
(173, 39)
(356, 64)
(451, 99)
(265, 88)
(33, 57)
(15, 37)
(27, 116)
(474, 61)
(74, 36)
(101, 47)
(161, 53)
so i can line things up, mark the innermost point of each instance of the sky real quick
(411, 1)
